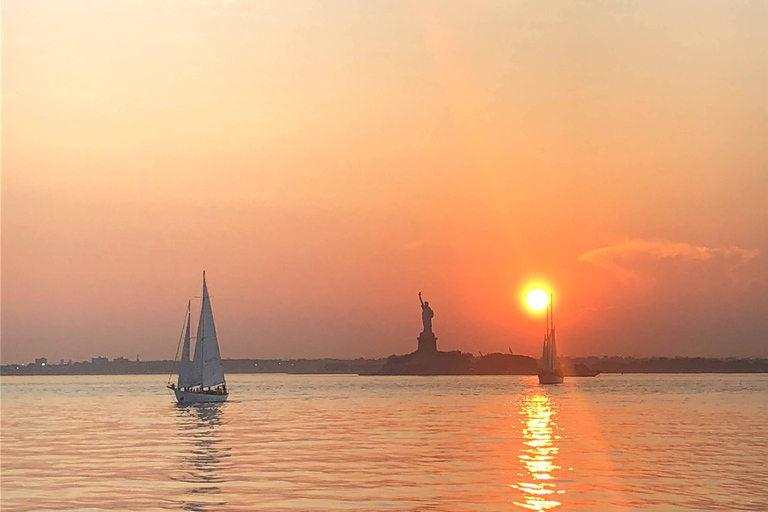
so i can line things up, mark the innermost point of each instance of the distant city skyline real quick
(326, 161)
(454, 363)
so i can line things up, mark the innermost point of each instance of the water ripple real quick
(337, 443)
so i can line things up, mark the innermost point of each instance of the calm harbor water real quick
(337, 443)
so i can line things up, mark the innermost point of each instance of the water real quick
(337, 443)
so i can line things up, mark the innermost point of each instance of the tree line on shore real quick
(489, 364)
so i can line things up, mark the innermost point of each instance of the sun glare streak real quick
(538, 454)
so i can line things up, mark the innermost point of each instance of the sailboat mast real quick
(202, 334)
(181, 337)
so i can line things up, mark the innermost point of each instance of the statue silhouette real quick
(426, 315)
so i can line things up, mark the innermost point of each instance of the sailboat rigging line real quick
(181, 336)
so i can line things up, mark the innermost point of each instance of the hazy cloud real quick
(624, 259)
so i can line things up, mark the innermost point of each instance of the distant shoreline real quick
(328, 366)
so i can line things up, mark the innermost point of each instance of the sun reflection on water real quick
(538, 414)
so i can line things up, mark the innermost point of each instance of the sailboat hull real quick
(555, 377)
(191, 397)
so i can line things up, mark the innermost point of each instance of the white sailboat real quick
(550, 372)
(201, 378)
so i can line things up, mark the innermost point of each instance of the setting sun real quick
(537, 299)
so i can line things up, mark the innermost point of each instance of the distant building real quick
(41, 361)
(99, 360)
(121, 360)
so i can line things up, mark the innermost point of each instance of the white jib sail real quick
(188, 377)
(207, 354)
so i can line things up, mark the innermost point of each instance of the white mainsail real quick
(207, 359)
(188, 377)
(549, 353)
(550, 372)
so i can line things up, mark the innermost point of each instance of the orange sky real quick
(325, 161)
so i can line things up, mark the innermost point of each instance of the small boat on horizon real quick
(550, 371)
(201, 378)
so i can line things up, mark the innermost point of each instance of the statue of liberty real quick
(426, 315)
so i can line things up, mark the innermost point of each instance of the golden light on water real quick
(537, 299)
(538, 454)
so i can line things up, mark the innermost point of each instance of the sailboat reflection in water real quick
(538, 454)
(201, 379)
(201, 466)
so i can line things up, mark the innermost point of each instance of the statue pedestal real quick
(427, 342)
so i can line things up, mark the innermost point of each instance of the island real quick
(428, 360)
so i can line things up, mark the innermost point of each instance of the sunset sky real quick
(326, 161)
